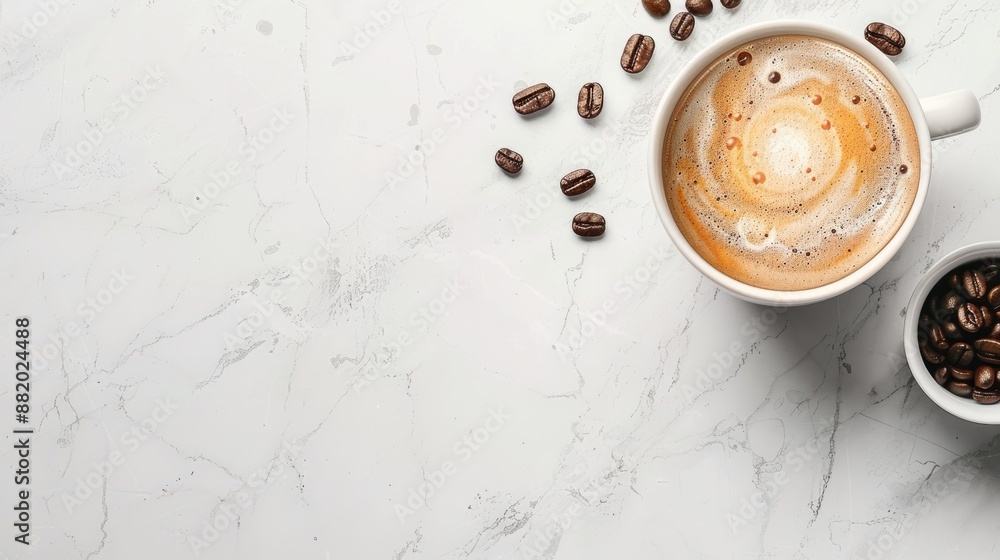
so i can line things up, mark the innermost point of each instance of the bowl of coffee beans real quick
(952, 336)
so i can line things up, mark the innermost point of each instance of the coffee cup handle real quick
(952, 113)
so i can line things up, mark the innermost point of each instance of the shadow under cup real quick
(947, 121)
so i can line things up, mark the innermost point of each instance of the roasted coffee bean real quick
(959, 388)
(988, 350)
(591, 101)
(980, 313)
(887, 38)
(952, 331)
(657, 8)
(930, 355)
(638, 51)
(936, 337)
(987, 317)
(730, 3)
(941, 375)
(986, 376)
(699, 7)
(973, 284)
(961, 354)
(994, 298)
(534, 99)
(991, 273)
(951, 302)
(985, 397)
(954, 280)
(970, 318)
(682, 26)
(589, 224)
(933, 302)
(924, 322)
(509, 160)
(578, 182)
(961, 374)
(995, 331)
(924, 328)
(945, 305)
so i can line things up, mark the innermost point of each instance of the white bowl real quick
(966, 409)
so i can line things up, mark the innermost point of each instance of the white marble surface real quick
(293, 355)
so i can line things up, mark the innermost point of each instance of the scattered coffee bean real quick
(986, 376)
(509, 160)
(699, 7)
(973, 284)
(994, 297)
(657, 8)
(961, 374)
(961, 354)
(591, 101)
(578, 182)
(589, 224)
(682, 26)
(941, 375)
(985, 397)
(638, 51)
(959, 388)
(534, 99)
(988, 350)
(887, 38)
(730, 3)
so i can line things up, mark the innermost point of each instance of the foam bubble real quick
(755, 185)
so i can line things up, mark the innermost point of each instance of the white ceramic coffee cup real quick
(963, 408)
(933, 118)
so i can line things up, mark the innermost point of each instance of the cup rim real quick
(681, 82)
(966, 409)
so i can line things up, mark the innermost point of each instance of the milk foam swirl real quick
(784, 168)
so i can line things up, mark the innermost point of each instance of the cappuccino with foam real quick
(790, 162)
